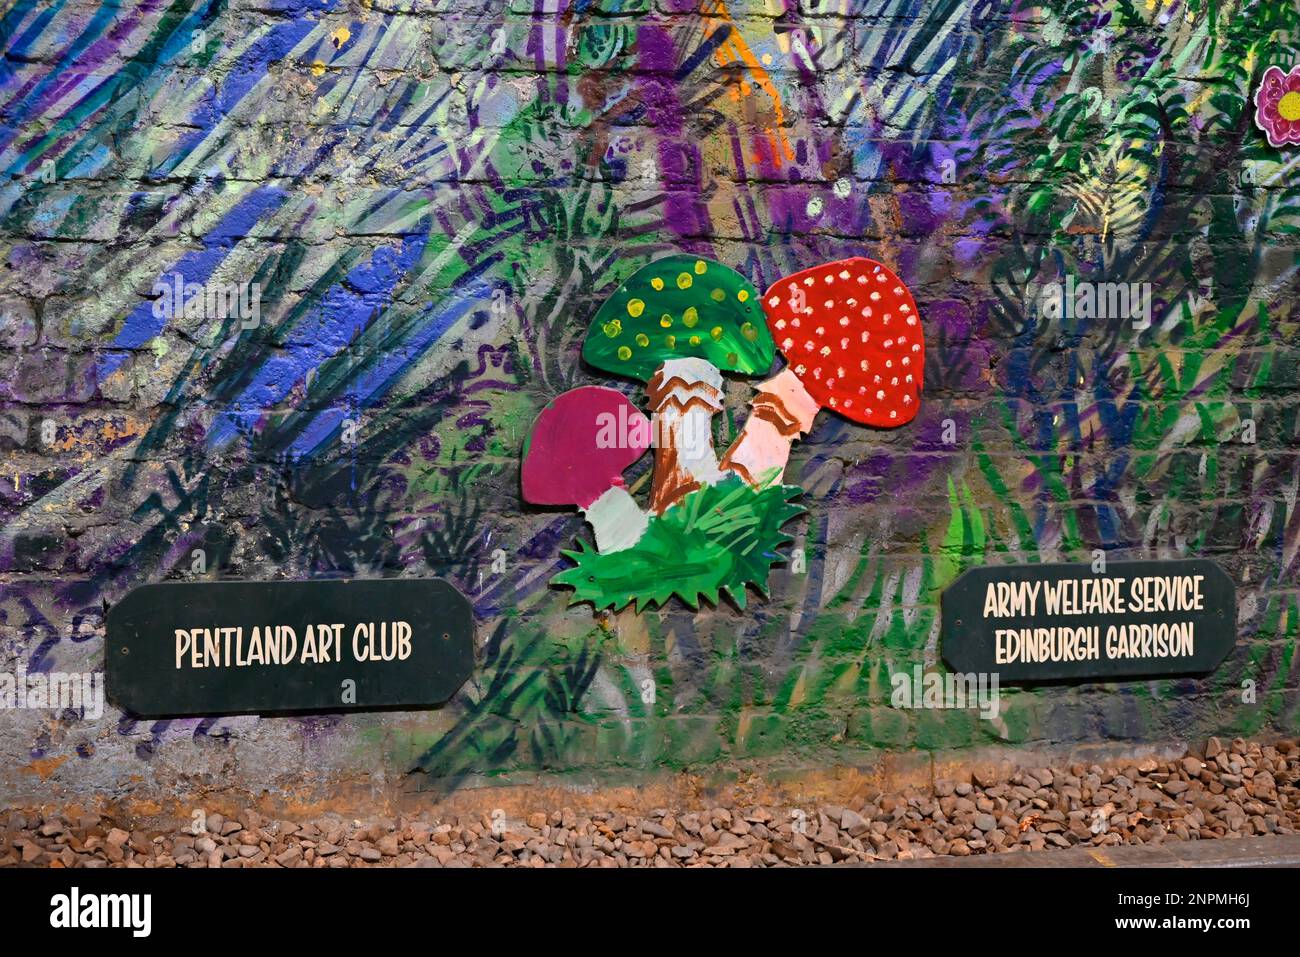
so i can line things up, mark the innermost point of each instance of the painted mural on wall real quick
(716, 527)
(286, 286)
(1277, 106)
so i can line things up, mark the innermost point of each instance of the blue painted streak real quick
(142, 325)
(345, 310)
(370, 388)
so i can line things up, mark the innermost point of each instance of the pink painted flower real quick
(1277, 106)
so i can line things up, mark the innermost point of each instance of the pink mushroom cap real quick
(580, 445)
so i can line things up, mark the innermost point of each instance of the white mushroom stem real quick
(685, 395)
(616, 519)
(782, 411)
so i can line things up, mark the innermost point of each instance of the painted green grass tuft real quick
(718, 538)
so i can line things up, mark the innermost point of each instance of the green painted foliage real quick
(718, 538)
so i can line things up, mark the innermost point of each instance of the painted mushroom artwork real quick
(677, 324)
(576, 454)
(852, 339)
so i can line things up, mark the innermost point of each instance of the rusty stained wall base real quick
(740, 784)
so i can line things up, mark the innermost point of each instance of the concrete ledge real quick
(1282, 850)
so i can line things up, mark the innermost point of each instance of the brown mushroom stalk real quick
(782, 412)
(685, 395)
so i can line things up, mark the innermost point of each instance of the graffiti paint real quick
(432, 202)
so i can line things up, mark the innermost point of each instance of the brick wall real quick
(432, 199)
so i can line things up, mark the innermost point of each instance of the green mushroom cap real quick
(676, 308)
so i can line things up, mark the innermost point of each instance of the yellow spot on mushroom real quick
(685, 280)
(317, 68)
(700, 267)
(635, 307)
(657, 283)
(624, 352)
(340, 36)
(613, 328)
(642, 340)
(665, 320)
(743, 295)
(749, 332)
(717, 295)
(716, 332)
(670, 342)
(732, 359)
(691, 316)
(695, 340)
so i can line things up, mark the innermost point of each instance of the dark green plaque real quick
(1053, 622)
(204, 648)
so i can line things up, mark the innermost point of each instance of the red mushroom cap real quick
(851, 333)
(580, 445)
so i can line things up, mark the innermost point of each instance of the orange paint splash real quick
(735, 50)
